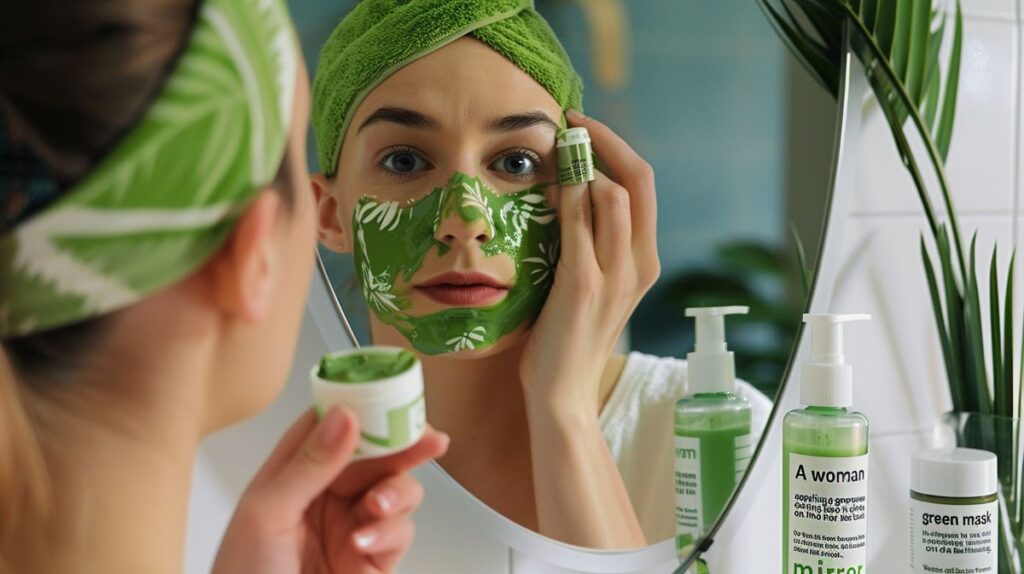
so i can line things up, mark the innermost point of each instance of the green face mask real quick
(393, 241)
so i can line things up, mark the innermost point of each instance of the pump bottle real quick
(825, 461)
(712, 429)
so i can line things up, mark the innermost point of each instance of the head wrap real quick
(379, 37)
(163, 200)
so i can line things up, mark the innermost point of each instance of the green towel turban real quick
(379, 37)
(163, 200)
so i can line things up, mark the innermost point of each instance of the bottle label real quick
(696, 494)
(827, 514)
(954, 538)
(689, 506)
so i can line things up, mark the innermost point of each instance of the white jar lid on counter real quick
(954, 473)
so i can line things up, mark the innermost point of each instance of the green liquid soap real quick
(712, 444)
(365, 367)
(825, 463)
(712, 451)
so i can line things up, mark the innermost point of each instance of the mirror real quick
(742, 142)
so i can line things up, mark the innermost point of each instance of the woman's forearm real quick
(580, 496)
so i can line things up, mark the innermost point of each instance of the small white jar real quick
(391, 411)
(954, 511)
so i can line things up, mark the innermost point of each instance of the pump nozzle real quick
(711, 367)
(826, 379)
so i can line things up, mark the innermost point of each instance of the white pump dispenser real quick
(826, 379)
(711, 367)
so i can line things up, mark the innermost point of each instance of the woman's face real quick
(425, 138)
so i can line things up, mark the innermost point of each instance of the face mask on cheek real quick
(392, 241)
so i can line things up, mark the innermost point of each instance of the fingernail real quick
(365, 538)
(574, 114)
(331, 428)
(385, 499)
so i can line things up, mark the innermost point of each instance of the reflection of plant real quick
(899, 45)
(757, 275)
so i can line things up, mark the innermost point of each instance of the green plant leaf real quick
(933, 74)
(1008, 339)
(902, 34)
(918, 50)
(944, 130)
(826, 22)
(868, 10)
(884, 28)
(975, 341)
(956, 391)
(814, 56)
(1003, 394)
(955, 323)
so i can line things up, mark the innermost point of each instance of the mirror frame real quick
(527, 546)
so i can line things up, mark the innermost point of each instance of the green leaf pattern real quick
(393, 240)
(161, 202)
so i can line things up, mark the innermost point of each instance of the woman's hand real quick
(609, 260)
(310, 509)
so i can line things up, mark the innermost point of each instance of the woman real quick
(154, 257)
(437, 151)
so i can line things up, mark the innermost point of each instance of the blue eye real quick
(516, 163)
(404, 162)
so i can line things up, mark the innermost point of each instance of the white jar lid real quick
(954, 473)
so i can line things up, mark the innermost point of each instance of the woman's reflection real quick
(438, 178)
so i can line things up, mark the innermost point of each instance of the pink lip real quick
(463, 289)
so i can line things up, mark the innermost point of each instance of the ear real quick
(244, 272)
(329, 229)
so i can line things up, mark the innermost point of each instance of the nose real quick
(465, 220)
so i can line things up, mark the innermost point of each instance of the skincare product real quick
(393, 239)
(954, 511)
(712, 430)
(383, 386)
(575, 157)
(825, 462)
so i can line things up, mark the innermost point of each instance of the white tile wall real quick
(898, 369)
(992, 9)
(981, 160)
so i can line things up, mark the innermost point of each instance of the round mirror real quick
(741, 140)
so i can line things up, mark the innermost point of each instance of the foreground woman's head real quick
(437, 152)
(154, 215)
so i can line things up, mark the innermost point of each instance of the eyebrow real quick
(400, 116)
(413, 119)
(522, 121)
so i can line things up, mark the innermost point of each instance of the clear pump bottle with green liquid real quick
(825, 461)
(712, 430)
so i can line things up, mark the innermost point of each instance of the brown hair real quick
(74, 77)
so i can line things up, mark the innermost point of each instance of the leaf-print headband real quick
(164, 199)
